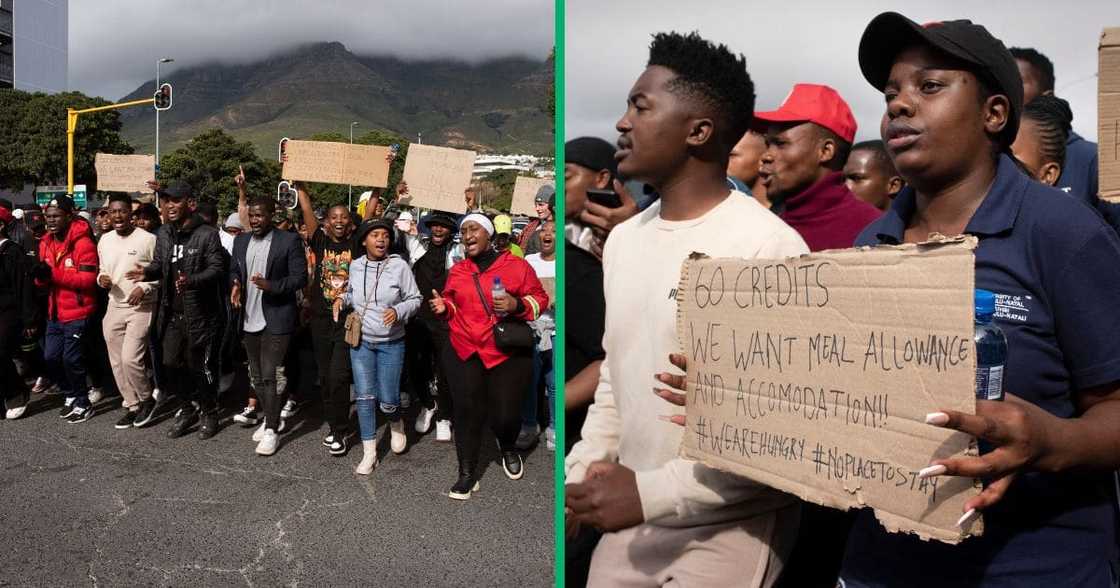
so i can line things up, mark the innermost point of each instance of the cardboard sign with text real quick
(437, 176)
(524, 193)
(337, 163)
(1108, 116)
(549, 285)
(814, 375)
(124, 173)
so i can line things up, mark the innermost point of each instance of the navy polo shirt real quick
(1055, 268)
(1079, 170)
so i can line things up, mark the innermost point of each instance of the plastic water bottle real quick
(495, 292)
(991, 349)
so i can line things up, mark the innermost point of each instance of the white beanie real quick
(481, 219)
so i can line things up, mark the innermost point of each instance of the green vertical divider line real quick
(561, 303)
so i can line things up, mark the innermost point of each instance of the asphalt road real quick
(86, 504)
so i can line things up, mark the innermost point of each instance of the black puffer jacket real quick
(205, 300)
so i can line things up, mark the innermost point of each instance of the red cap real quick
(6, 215)
(816, 104)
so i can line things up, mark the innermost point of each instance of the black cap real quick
(441, 219)
(890, 33)
(545, 194)
(63, 202)
(591, 152)
(369, 225)
(177, 190)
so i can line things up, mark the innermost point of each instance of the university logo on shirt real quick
(1012, 307)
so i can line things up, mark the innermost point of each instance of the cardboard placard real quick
(337, 163)
(437, 177)
(549, 285)
(524, 191)
(1108, 116)
(124, 173)
(814, 375)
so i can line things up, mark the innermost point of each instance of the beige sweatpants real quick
(126, 334)
(746, 553)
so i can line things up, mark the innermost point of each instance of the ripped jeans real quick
(377, 379)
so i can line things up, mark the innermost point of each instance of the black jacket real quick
(286, 273)
(204, 261)
(16, 287)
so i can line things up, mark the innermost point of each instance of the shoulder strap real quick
(481, 296)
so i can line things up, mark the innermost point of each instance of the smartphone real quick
(607, 198)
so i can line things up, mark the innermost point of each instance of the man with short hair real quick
(190, 315)
(746, 158)
(129, 313)
(669, 519)
(588, 165)
(871, 176)
(268, 267)
(807, 143)
(1079, 170)
(68, 270)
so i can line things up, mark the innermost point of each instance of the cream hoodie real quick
(641, 267)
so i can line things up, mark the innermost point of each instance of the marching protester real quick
(190, 314)
(665, 518)
(382, 293)
(68, 273)
(808, 139)
(487, 293)
(129, 314)
(18, 315)
(544, 328)
(588, 165)
(529, 240)
(871, 176)
(267, 268)
(503, 236)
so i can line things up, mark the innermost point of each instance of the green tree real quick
(497, 189)
(324, 195)
(209, 163)
(34, 148)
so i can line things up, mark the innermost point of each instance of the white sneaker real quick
(95, 395)
(290, 408)
(268, 442)
(424, 419)
(443, 431)
(259, 433)
(14, 413)
(550, 439)
(398, 440)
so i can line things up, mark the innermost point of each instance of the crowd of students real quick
(160, 303)
(972, 141)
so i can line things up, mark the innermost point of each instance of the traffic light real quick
(163, 97)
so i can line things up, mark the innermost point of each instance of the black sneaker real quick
(145, 413)
(184, 420)
(512, 464)
(463, 487)
(67, 408)
(208, 426)
(336, 444)
(127, 421)
(80, 414)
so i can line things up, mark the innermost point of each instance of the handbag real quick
(510, 334)
(353, 324)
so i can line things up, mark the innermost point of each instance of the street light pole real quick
(159, 61)
(350, 188)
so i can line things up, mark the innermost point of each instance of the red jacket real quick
(471, 326)
(73, 263)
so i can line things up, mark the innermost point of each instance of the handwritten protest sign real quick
(524, 192)
(549, 285)
(814, 375)
(437, 176)
(124, 173)
(337, 163)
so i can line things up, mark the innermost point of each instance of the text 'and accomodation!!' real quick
(813, 375)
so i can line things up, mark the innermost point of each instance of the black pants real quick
(478, 391)
(424, 344)
(11, 383)
(266, 352)
(191, 357)
(332, 358)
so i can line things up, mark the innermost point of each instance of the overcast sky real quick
(789, 41)
(114, 45)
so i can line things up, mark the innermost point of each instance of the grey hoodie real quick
(382, 285)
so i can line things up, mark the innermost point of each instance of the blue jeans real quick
(377, 378)
(63, 354)
(542, 367)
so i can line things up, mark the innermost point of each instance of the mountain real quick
(496, 106)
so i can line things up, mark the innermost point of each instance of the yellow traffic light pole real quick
(72, 125)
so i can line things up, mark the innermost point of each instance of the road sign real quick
(43, 194)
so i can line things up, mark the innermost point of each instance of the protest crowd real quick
(973, 141)
(437, 318)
